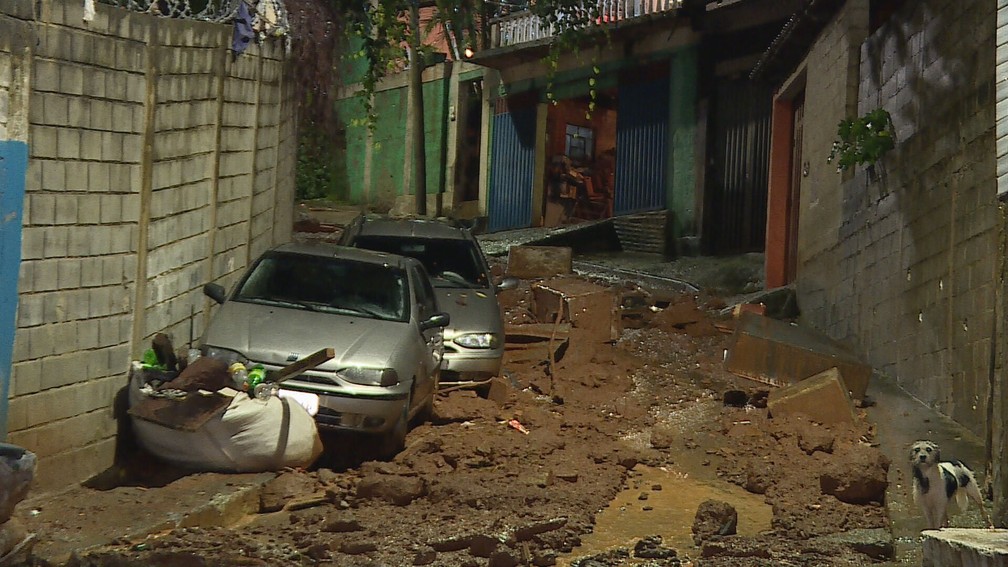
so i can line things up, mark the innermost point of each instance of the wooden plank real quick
(306, 363)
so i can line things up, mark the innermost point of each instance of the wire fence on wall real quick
(272, 13)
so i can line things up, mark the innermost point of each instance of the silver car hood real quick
(277, 335)
(471, 311)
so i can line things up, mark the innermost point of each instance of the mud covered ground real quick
(470, 489)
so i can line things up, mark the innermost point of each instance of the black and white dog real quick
(936, 482)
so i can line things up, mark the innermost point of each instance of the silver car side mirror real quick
(435, 320)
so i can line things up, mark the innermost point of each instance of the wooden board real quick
(187, 414)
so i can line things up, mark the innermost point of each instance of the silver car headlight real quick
(477, 340)
(228, 356)
(369, 376)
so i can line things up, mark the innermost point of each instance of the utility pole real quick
(417, 109)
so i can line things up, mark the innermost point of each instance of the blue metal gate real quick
(13, 166)
(512, 169)
(641, 146)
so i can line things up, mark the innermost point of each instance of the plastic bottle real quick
(255, 376)
(239, 375)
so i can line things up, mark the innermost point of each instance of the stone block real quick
(824, 398)
(962, 547)
(530, 262)
(780, 354)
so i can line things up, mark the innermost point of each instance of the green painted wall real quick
(682, 190)
(387, 147)
(388, 150)
(349, 161)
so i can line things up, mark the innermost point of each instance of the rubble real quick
(823, 397)
(530, 262)
(781, 354)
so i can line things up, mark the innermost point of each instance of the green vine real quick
(573, 22)
(862, 141)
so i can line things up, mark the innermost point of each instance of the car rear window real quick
(332, 285)
(450, 262)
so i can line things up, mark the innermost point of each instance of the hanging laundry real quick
(243, 32)
(89, 10)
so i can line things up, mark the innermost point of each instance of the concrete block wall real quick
(155, 158)
(908, 275)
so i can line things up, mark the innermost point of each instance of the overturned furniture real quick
(780, 354)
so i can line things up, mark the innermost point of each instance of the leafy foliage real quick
(862, 140)
(315, 176)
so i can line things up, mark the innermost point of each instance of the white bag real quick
(249, 436)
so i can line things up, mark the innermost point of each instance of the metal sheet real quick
(641, 146)
(511, 169)
(737, 180)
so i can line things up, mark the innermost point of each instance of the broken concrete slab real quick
(962, 547)
(823, 398)
(530, 262)
(592, 310)
(92, 518)
(780, 354)
(586, 306)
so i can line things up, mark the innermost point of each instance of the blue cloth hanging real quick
(243, 32)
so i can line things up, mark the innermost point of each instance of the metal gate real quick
(641, 146)
(736, 189)
(512, 168)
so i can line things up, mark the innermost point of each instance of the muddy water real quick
(663, 501)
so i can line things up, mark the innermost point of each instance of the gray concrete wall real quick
(906, 271)
(157, 163)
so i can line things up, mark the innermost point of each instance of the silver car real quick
(474, 341)
(377, 311)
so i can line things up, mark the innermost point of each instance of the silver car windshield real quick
(450, 262)
(331, 285)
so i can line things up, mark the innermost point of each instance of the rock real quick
(500, 390)
(876, 543)
(757, 479)
(425, 556)
(816, 439)
(456, 543)
(483, 545)
(395, 489)
(12, 532)
(741, 548)
(544, 559)
(859, 476)
(358, 547)
(503, 558)
(714, 518)
(342, 522)
(663, 436)
(527, 531)
(566, 475)
(317, 551)
(17, 470)
(284, 488)
(463, 405)
(651, 548)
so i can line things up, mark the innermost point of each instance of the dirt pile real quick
(517, 477)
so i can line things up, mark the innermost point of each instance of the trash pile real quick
(17, 469)
(201, 414)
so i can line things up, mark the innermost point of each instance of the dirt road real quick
(523, 476)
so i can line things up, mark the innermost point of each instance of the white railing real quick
(523, 27)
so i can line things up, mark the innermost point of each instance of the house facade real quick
(653, 122)
(904, 259)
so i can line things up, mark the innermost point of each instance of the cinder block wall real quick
(157, 163)
(907, 274)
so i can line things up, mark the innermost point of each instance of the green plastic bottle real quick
(256, 375)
